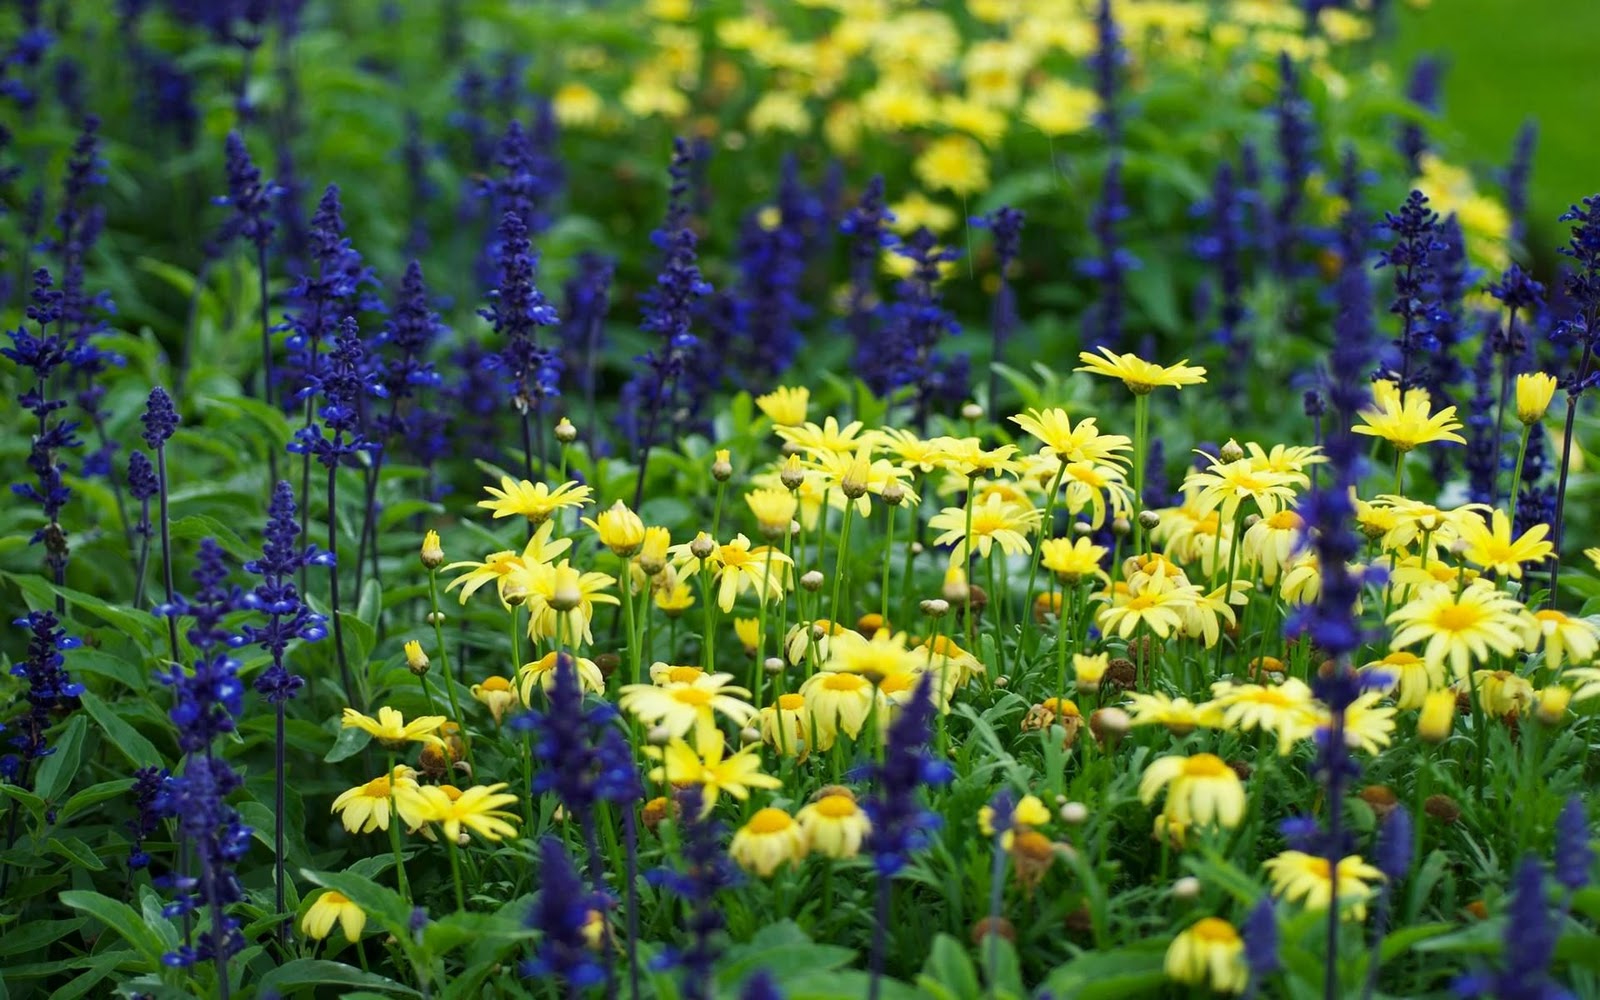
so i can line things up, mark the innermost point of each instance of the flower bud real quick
(432, 553)
(811, 580)
(1148, 519)
(792, 474)
(1534, 392)
(1002, 681)
(773, 665)
(1082, 529)
(936, 607)
(1075, 813)
(463, 839)
(1186, 888)
(1552, 706)
(658, 736)
(1437, 717)
(857, 476)
(702, 546)
(1109, 725)
(749, 735)
(894, 493)
(565, 432)
(722, 468)
(1230, 452)
(956, 589)
(653, 552)
(1120, 527)
(971, 411)
(416, 659)
(435, 618)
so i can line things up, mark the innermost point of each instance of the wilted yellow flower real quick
(496, 694)
(542, 672)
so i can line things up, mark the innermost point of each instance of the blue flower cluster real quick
(288, 617)
(706, 871)
(410, 333)
(342, 381)
(530, 371)
(900, 824)
(1415, 230)
(206, 700)
(341, 286)
(560, 914)
(584, 758)
(51, 692)
(906, 351)
(867, 226)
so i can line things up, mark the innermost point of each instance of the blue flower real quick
(517, 309)
(706, 871)
(1415, 230)
(51, 690)
(344, 379)
(206, 700)
(1574, 857)
(249, 196)
(288, 617)
(900, 824)
(560, 914)
(160, 419)
(197, 799)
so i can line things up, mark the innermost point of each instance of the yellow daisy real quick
(834, 824)
(993, 523)
(769, 840)
(535, 501)
(682, 765)
(1201, 789)
(390, 727)
(1464, 627)
(681, 706)
(1208, 953)
(1405, 419)
(476, 809)
(1307, 879)
(1492, 547)
(1140, 376)
(331, 908)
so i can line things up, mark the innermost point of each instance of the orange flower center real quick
(768, 821)
(1457, 617)
(791, 702)
(844, 682)
(1205, 765)
(1215, 931)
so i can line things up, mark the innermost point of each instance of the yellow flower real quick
(619, 528)
(497, 694)
(737, 567)
(542, 672)
(1307, 879)
(1551, 704)
(786, 727)
(536, 502)
(681, 706)
(749, 632)
(1179, 716)
(1226, 485)
(774, 510)
(508, 570)
(917, 211)
(390, 727)
(1028, 812)
(561, 602)
(1566, 639)
(416, 659)
(1072, 559)
(834, 825)
(1068, 443)
(1464, 627)
(786, 405)
(1286, 710)
(1088, 670)
(432, 553)
(814, 440)
(1140, 376)
(1209, 952)
(477, 809)
(575, 105)
(1410, 676)
(1368, 726)
(967, 456)
(942, 657)
(1271, 542)
(365, 808)
(1158, 602)
(797, 643)
(674, 597)
(838, 702)
(1058, 108)
(1492, 547)
(977, 120)
(1438, 715)
(1534, 392)
(780, 111)
(993, 523)
(1502, 692)
(1405, 418)
(653, 551)
(882, 655)
(954, 163)
(714, 773)
(771, 838)
(1201, 790)
(330, 908)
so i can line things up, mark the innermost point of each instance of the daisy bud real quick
(658, 736)
(722, 468)
(515, 595)
(936, 607)
(702, 546)
(1082, 529)
(972, 411)
(1075, 813)
(1120, 527)
(1109, 725)
(857, 476)
(792, 474)
(748, 735)
(1230, 452)
(1252, 520)
(773, 665)
(653, 551)
(436, 618)
(1148, 519)
(1186, 888)
(1534, 392)
(812, 580)
(893, 494)
(917, 548)
(565, 432)
(463, 839)
(566, 596)
(1002, 681)
(956, 589)
(416, 659)
(790, 449)
(432, 553)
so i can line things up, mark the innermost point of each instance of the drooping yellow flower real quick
(331, 908)
(1307, 879)
(542, 673)
(619, 528)
(1566, 639)
(1502, 692)
(1271, 542)
(681, 765)
(801, 635)
(672, 595)
(390, 727)
(834, 825)
(1201, 790)
(839, 702)
(772, 838)
(1073, 560)
(914, 453)
(1534, 392)
(1140, 376)
(1208, 953)
(786, 405)
(1463, 627)
(1410, 676)
(653, 551)
(858, 478)
(1090, 485)
(884, 654)
(497, 694)
(561, 602)
(953, 163)
(1413, 520)
(1492, 547)
(737, 568)
(774, 510)
(785, 725)
(993, 523)
(1082, 442)
(365, 808)
(944, 659)
(1405, 418)
(681, 706)
(477, 809)
(1212, 611)
(535, 501)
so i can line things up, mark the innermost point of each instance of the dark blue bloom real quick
(1392, 854)
(1482, 459)
(577, 748)
(1261, 941)
(149, 784)
(288, 617)
(1415, 231)
(250, 197)
(340, 286)
(706, 871)
(906, 351)
(1529, 944)
(410, 333)
(160, 419)
(772, 262)
(197, 799)
(1006, 224)
(1295, 135)
(760, 986)
(1574, 857)
(51, 691)
(560, 914)
(1223, 246)
(1516, 178)
(900, 823)
(343, 381)
(517, 309)
(206, 700)
(531, 173)
(141, 477)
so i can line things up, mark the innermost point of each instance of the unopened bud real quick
(971, 411)
(722, 468)
(432, 553)
(1120, 527)
(936, 607)
(917, 548)
(566, 597)
(463, 839)
(1186, 888)
(749, 735)
(1230, 452)
(811, 580)
(792, 474)
(658, 736)
(702, 546)
(1082, 529)
(1109, 724)
(416, 659)
(1075, 813)
(436, 618)
(1148, 519)
(565, 432)
(1252, 520)
(1002, 681)
(773, 665)
(515, 595)
(893, 494)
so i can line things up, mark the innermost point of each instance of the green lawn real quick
(1514, 59)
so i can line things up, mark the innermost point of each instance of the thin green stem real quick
(839, 563)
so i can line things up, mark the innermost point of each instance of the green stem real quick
(394, 839)
(455, 872)
(1516, 473)
(1045, 529)
(1141, 421)
(839, 563)
(888, 561)
(450, 679)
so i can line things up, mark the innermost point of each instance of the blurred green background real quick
(1510, 60)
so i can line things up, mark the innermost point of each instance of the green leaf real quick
(198, 526)
(58, 769)
(381, 904)
(91, 796)
(128, 740)
(118, 917)
(137, 624)
(949, 965)
(350, 742)
(1401, 941)
(36, 934)
(320, 972)
(1104, 975)
(76, 851)
(131, 674)
(30, 801)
